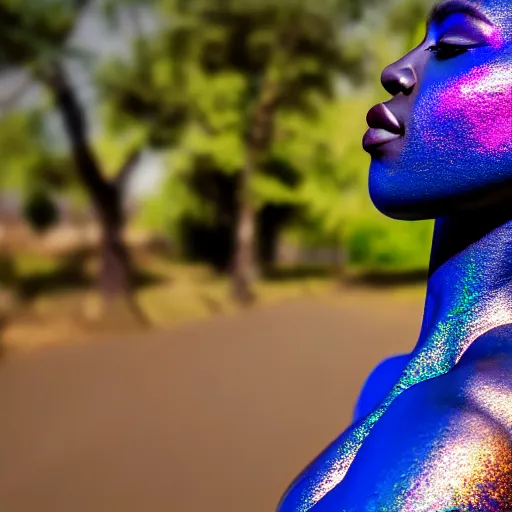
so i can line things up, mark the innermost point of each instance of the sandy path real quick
(214, 417)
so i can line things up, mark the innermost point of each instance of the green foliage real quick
(191, 88)
(174, 200)
(33, 33)
(335, 191)
(195, 85)
(40, 210)
(407, 18)
(33, 36)
(17, 132)
(28, 162)
(376, 242)
(335, 197)
(32, 170)
(199, 77)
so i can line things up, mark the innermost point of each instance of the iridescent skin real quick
(433, 430)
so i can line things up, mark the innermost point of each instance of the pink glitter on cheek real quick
(494, 36)
(480, 103)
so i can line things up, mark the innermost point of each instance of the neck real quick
(469, 289)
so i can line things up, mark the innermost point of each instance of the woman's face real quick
(443, 143)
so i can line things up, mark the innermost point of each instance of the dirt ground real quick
(217, 416)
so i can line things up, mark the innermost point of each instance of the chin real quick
(387, 194)
(395, 194)
(403, 194)
(400, 210)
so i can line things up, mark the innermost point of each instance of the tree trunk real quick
(244, 259)
(115, 276)
(115, 271)
(114, 282)
(259, 138)
(9, 294)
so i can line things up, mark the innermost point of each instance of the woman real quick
(435, 430)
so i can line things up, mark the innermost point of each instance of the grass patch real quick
(58, 296)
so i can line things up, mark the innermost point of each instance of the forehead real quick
(499, 8)
(492, 4)
(498, 12)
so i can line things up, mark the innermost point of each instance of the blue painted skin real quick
(433, 430)
(378, 384)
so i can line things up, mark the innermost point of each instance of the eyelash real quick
(446, 51)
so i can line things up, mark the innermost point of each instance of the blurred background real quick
(194, 283)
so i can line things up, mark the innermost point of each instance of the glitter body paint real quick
(441, 439)
(487, 123)
(462, 119)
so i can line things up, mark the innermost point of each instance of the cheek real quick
(475, 111)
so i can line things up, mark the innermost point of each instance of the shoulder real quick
(483, 373)
(480, 384)
(443, 443)
(379, 383)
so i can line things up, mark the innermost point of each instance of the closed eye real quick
(445, 51)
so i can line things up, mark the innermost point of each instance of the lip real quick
(384, 128)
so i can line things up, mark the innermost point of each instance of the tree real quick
(34, 37)
(338, 211)
(335, 184)
(218, 82)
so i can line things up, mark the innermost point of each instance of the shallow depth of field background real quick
(194, 283)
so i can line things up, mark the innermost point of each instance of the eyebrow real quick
(441, 11)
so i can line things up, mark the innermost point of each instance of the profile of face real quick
(443, 143)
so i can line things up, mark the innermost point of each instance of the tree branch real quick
(75, 125)
(127, 168)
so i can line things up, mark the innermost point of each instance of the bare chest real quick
(444, 445)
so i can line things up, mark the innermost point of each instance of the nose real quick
(397, 79)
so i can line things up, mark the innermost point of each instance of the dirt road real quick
(218, 416)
